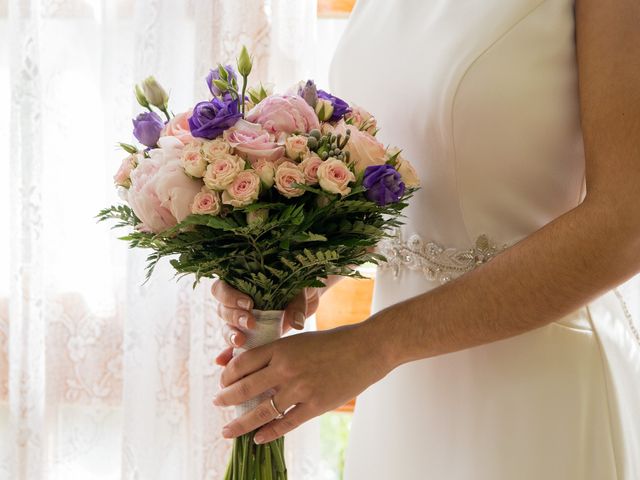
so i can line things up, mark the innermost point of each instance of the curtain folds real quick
(103, 376)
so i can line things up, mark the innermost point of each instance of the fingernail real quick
(298, 320)
(226, 432)
(258, 438)
(232, 338)
(243, 320)
(215, 401)
(244, 303)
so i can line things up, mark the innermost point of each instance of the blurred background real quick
(102, 377)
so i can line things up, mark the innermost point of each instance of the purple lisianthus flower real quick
(383, 184)
(340, 107)
(214, 74)
(147, 127)
(310, 93)
(210, 119)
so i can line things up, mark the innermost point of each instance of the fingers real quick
(262, 414)
(230, 297)
(244, 364)
(296, 312)
(225, 356)
(246, 389)
(277, 428)
(237, 317)
(233, 336)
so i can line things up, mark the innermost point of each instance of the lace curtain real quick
(102, 377)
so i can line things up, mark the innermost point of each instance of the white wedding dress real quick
(482, 96)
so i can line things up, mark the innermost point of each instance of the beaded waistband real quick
(435, 261)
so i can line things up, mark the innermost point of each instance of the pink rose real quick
(266, 171)
(287, 174)
(178, 127)
(193, 161)
(252, 141)
(362, 120)
(244, 189)
(405, 169)
(212, 148)
(222, 171)
(121, 178)
(296, 147)
(206, 202)
(309, 167)
(282, 113)
(334, 176)
(363, 148)
(161, 193)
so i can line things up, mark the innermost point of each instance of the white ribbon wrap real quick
(268, 329)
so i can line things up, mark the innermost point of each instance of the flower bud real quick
(310, 93)
(222, 85)
(142, 100)
(256, 217)
(324, 110)
(244, 63)
(155, 94)
(224, 75)
(257, 94)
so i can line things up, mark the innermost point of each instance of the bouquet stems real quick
(250, 461)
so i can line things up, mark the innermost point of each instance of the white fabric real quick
(482, 96)
(102, 377)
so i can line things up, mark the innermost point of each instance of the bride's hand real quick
(315, 371)
(235, 307)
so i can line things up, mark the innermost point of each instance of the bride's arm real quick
(578, 256)
(554, 271)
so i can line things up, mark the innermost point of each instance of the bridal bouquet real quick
(270, 193)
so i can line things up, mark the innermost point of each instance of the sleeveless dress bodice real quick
(482, 96)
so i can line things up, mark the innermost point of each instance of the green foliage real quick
(298, 245)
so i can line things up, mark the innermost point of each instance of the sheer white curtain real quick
(102, 377)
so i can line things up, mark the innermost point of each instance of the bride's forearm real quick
(552, 272)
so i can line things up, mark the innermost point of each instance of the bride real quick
(523, 121)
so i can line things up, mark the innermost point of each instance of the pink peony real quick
(161, 193)
(282, 113)
(244, 189)
(206, 202)
(363, 148)
(296, 147)
(334, 176)
(121, 178)
(222, 171)
(178, 127)
(309, 167)
(287, 174)
(253, 142)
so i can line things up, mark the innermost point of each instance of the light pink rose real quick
(212, 148)
(361, 119)
(193, 160)
(244, 189)
(252, 141)
(309, 167)
(206, 202)
(287, 174)
(265, 170)
(178, 127)
(405, 169)
(222, 171)
(121, 178)
(363, 148)
(334, 176)
(282, 113)
(296, 147)
(161, 193)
